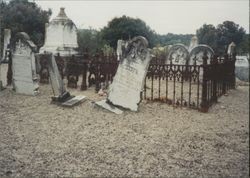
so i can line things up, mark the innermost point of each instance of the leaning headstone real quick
(178, 55)
(61, 96)
(197, 53)
(23, 65)
(6, 44)
(128, 82)
(58, 87)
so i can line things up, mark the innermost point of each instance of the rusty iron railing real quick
(193, 86)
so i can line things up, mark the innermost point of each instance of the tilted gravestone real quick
(58, 87)
(24, 66)
(128, 82)
(178, 55)
(61, 96)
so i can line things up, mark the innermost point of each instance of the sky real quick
(165, 16)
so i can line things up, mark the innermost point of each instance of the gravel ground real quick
(43, 139)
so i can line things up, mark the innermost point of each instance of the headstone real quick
(60, 36)
(128, 82)
(23, 65)
(57, 84)
(178, 54)
(231, 48)
(120, 45)
(242, 68)
(6, 44)
(61, 96)
(197, 53)
(193, 43)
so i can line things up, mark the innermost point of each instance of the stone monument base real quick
(67, 100)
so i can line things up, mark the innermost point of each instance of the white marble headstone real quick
(23, 66)
(129, 79)
(178, 54)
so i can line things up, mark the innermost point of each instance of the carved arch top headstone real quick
(178, 54)
(24, 65)
(197, 53)
(129, 79)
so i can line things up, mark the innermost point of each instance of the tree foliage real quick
(170, 39)
(22, 15)
(126, 28)
(207, 34)
(219, 38)
(89, 39)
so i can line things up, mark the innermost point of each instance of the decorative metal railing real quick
(194, 86)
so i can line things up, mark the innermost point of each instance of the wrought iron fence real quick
(193, 86)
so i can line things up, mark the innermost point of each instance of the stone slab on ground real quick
(108, 106)
(73, 101)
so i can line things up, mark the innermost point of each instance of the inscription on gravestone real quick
(129, 79)
(23, 65)
(178, 55)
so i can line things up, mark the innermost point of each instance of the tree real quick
(228, 32)
(219, 38)
(126, 28)
(90, 39)
(207, 34)
(171, 39)
(22, 15)
(244, 46)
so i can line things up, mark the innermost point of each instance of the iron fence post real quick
(225, 74)
(204, 101)
(215, 80)
(9, 72)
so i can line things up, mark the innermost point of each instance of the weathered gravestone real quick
(178, 55)
(61, 96)
(125, 91)
(241, 64)
(197, 53)
(6, 45)
(23, 65)
(242, 68)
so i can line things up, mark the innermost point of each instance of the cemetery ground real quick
(43, 139)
